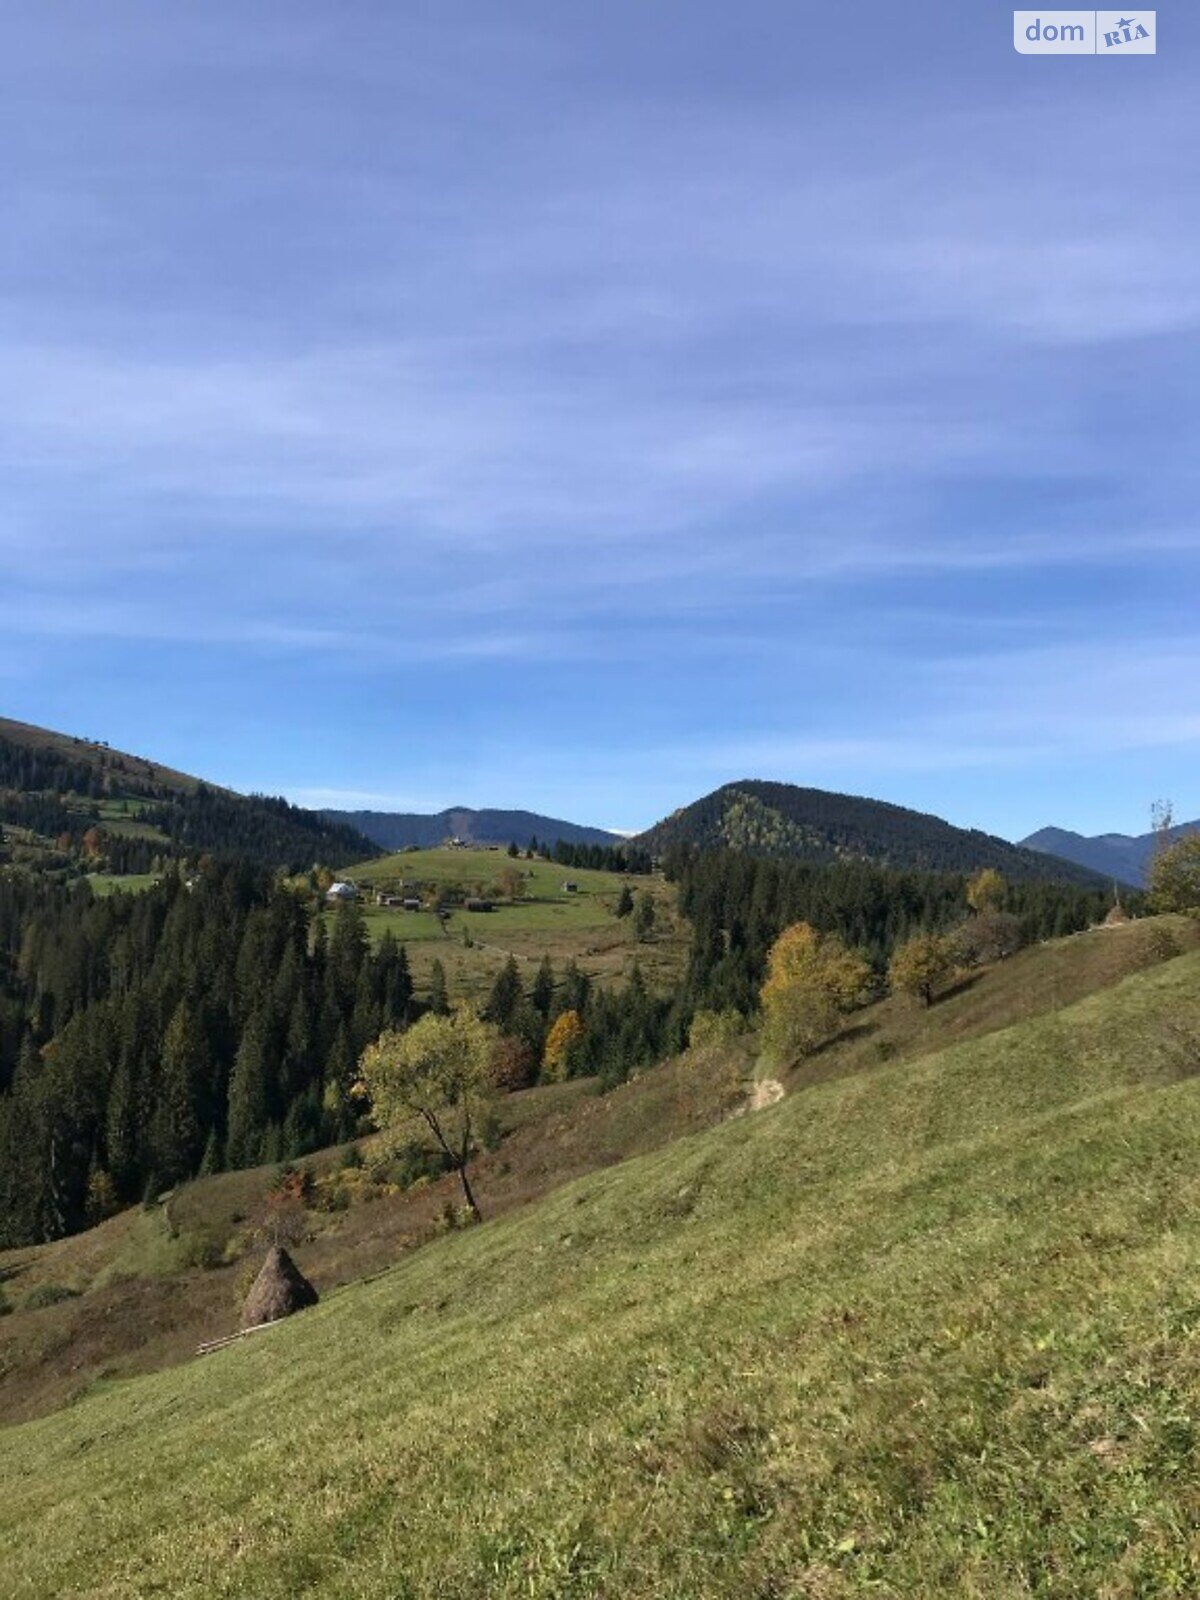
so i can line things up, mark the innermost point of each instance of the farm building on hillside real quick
(475, 904)
(411, 904)
(341, 891)
(570, 887)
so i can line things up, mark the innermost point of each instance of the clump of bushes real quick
(989, 936)
(202, 1247)
(455, 1217)
(356, 1181)
(1164, 946)
(413, 1163)
(716, 1029)
(49, 1294)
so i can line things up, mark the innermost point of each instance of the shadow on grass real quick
(961, 987)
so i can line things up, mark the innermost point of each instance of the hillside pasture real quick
(928, 1330)
(148, 1285)
(481, 869)
(547, 920)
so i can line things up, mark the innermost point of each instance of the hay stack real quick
(279, 1289)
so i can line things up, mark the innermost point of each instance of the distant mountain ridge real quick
(782, 819)
(397, 830)
(1124, 857)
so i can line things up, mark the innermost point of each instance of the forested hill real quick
(396, 830)
(780, 819)
(68, 802)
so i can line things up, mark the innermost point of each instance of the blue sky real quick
(580, 407)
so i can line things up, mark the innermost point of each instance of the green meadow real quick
(578, 925)
(929, 1329)
(481, 868)
(105, 883)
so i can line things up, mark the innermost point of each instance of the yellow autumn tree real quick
(440, 1072)
(564, 1035)
(812, 981)
(922, 965)
(1174, 876)
(986, 890)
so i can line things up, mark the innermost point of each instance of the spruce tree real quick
(542, 993)
(177, 1136)
(506, 995)
(392, 982)
(576, 990)
(210, 1162)
(300, 1056)
(439, 999)
(366, 1022)
(248, 1097)
(121, 1129)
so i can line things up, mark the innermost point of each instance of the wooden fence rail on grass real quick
(232, 1338)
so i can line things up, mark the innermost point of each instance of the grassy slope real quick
(137, 1304)
(463, 867)
(929, 1329)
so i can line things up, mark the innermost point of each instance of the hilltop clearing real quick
(566, 913)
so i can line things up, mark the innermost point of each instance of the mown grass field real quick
(931, 1328)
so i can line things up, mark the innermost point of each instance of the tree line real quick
(738, 905)
(625, 858)
(215, 1022)
(208, 1022)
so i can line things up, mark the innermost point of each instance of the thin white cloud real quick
(333, 799)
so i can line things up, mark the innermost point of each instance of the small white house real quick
(341, 891)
